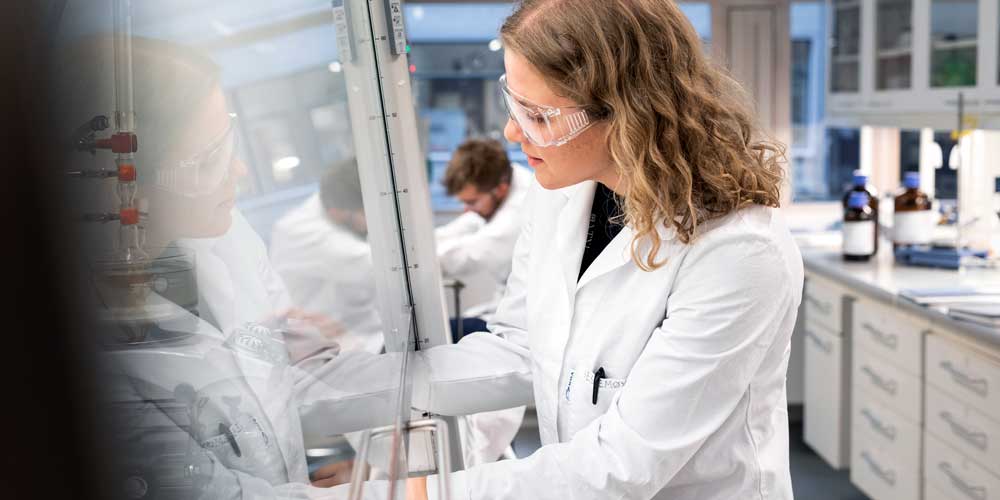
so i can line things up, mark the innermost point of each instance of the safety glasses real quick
(203, 173)
(542, 125)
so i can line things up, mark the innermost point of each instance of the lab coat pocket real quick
(586, 397)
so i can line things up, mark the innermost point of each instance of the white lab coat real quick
(469, 243)
(695, 355)
(327, 269)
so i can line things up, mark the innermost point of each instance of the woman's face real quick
(206, 212)
(585, 157)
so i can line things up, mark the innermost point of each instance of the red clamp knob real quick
(126, 172)
(129, 216)
(122, 142)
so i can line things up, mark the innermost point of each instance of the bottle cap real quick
(858, 200)
(860, 179)
(912, 180)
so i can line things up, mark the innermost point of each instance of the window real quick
(954, 42)
(800, 88)
(843, 157)
(808, 162)
(945, 176)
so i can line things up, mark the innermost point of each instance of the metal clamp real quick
(889, 340)
(973, 492)
(882, 428)
(436, 427)
(889, 386)
(977, 439)
(886, 475)
(977, 385)
(824, 346)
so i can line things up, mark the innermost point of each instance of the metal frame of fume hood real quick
(394, 188)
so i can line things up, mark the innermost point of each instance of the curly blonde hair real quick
(681, 132)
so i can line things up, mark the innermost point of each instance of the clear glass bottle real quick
(912, 217)
(860, 185)
(859, 228)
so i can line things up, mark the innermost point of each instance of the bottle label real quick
(912, 228)
(859, 237)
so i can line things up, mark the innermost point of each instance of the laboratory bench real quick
(904, 395)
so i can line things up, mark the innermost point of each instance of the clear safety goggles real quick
(203, 173)
(542, 125)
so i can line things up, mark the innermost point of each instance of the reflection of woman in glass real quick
(654, 287)
(235, 389)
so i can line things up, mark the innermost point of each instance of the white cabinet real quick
(962, 415)
(881, 475)
(825, 425)
(887, 401)
(895, 337)
(955, 475)
(826, 418)
(823, 305)
(964, 373)
(902, 63)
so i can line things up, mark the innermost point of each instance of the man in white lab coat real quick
(482, 239)
(321, 252)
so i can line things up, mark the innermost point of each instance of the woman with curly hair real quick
(655, 285)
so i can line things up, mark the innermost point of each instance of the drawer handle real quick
(977, 439)
(973, 492)
(889, 386)
(886, 475)
(889, 340)
(824, 307)
(879, 426)
(824, 346)
(977, 385)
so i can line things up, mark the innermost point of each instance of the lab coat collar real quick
(619, 253)
(571, 231)
(574, 220)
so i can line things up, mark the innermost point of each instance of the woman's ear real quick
(502, 190)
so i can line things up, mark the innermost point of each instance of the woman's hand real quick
(416, 488)
(333, 474)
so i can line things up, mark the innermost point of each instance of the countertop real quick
(882, 279)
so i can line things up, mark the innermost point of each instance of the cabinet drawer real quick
(880, 475)
(825, 418)
(823, 306)
(885, 430)
(964, 428)
(932, 492)
(899, 391)
(895, 337)
(967, 375)
(957, 476)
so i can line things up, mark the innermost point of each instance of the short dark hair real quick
(340, 187)
(480, 162)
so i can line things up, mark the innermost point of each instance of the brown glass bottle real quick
(858, 231)
(860, 185)
(912, 223)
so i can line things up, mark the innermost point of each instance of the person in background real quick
(320, 250)
(493, 192)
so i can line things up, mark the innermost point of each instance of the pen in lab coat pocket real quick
(598, 375)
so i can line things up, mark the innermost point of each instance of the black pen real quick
(598, 375)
